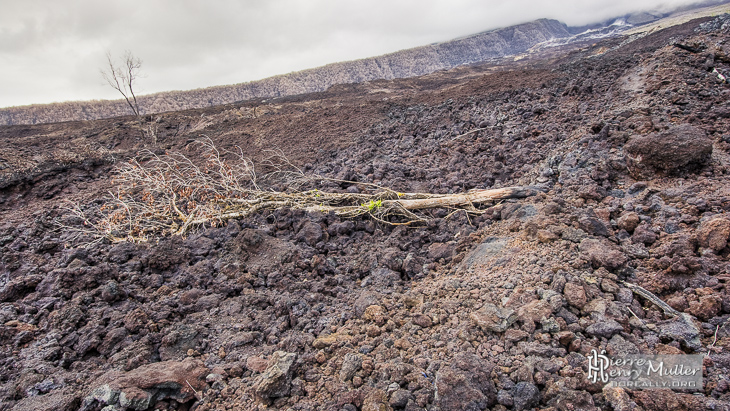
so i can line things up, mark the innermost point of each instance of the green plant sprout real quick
(373, 205)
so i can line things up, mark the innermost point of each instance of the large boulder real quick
(142, 387)
(679, 147)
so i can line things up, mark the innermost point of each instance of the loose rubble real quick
(626, 141)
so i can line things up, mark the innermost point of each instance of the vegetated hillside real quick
(626, 142)
(482, 47)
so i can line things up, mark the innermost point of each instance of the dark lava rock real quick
(122, 252)
(505, 398)
(525, 395)
(400, 398)
(350, 365)
(683, 330)
(200, 246)
(491, 247)
(628, 221)
(666, 399)
(17, 288)
(291, 280)
(437, 251)
(518, 211)
(422, 321)
(179, 340)
(311, 233)
(604, 329)
(618, 346)
(592, 192)
(569, 400)
(593, 226)
(707, 307)
(365, 300)
(643, 235)
(619, 399)
(466, 384)
(343, 228)
(54, 401)
(637, 187)
(575, 295)
(381, 277)
(679, 147)
(190, 296)
(541, 350)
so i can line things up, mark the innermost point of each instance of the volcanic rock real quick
(628, 221)
(714, 234)
(602, 253)
(575, 295)
(142, 387)
(275, 382)
(465, 384)
(683, 330)
(350, 365)
(604, 329)
(492, 318)
(525, 396)
(668, 151)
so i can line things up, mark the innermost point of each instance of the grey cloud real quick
(191, 44)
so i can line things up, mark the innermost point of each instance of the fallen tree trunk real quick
(422, 201)
(171, 195)
(465, 199)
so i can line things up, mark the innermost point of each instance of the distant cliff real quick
(406, 63)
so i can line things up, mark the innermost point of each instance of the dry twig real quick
(636, 289)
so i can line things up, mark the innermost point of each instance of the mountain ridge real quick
(488, 46)
(404, 63)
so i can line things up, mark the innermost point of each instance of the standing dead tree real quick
(171, 194)
(122, 78)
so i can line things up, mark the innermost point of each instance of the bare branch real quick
(122, 78)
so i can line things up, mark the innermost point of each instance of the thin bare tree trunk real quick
(435, 200)
(465, 199)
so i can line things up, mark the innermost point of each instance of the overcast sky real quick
(52, 50)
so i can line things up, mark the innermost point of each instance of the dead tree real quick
(171, 194)
(122, 78)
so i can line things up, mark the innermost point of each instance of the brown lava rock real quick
(465, 384)
(714, 234)
(140, 388)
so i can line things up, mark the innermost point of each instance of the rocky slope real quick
(628, 140)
